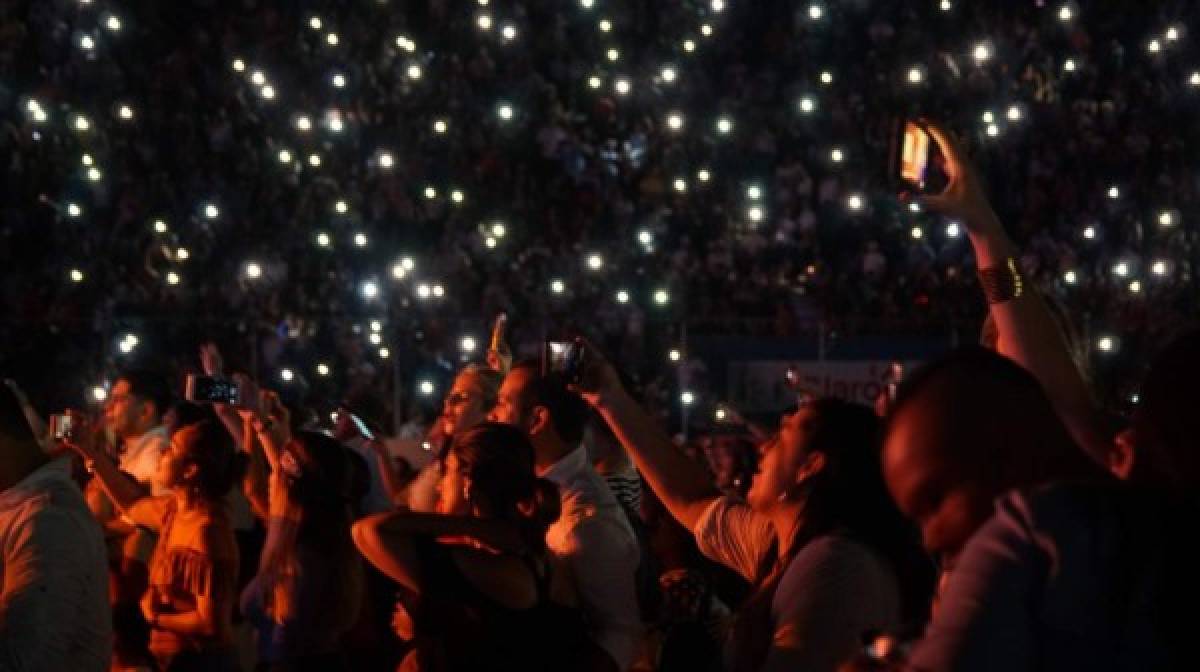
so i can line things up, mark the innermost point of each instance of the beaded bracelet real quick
(1002, 283)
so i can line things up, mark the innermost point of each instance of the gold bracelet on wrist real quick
(1002, 283)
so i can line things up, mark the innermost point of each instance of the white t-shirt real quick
(834, 590)
(140, 458)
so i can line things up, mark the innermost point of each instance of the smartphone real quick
(911, 159)
(61, 426)
(564, 358)
(210, 390)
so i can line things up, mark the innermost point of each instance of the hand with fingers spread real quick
(964, 197)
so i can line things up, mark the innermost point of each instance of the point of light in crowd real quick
(74, 210)
(490, 242)
(268, 92)
(988, 117)
(836, 155)
(1135, 287)
(257, 78)
(855, 202)
(211, 211)
(1089, 233)
(160, 226)
(703, 175)
(285, 156)
(239, 65)
(1106, 344)
(314, 160)
(457, 196)
(1159, 267)
(622, 86)
(99, 393)
(82, 123)
(982, 52)
(755, 214)
(315, 23)
(253, 270)
(172, 278)
(1069, 65)
(1194, 79)
(426, 387)
(467, 344)
(398, 271)
(414, 71)
(807, 104)
(76, 275)
(724, 125)
(408, 263)
(125, 112)
(1014, 113)
(303, 123)
(322, 369)
(674, 355)
(604, 25)
(499, 230)
(595, 262)
(338, 81)
(87, 43)
(675, 121)
(1120, 269)
(687, 398)
(557, 286)
(622, 296)
(754, 192)
(386, 160)
(423, 291)
(1070, 277)
(360, 239)
(662, 297)
(286, 375)
(1065, 13)
(993, 130)
(718, 6)
(331, 39)
(826, 77)
(914, 206)
(374, 338)
(587, 4)
(384, 353)
(1114, 192)
(680, 185)
(505, 111)
(431, 193)
(94, 174)
(182, 254)
(370, 289)
(324, 239)
(667, 75)
(689, 45)
(402, 42)
(1165, 218)
(613, 54)
(86, 159)
(1154, 46)
(915, 75)
(953, 230)
(595, 82)
(484, 22)
(719, 414)
(917, 233)
(815, 12)
(440, 126)
(645, 237)
(946, 5)
(509, 32)
(1172, 34)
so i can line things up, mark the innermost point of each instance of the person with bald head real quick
(1049, 561)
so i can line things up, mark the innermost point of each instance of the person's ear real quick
(812, 465)
(539, 420)
(1121, 454)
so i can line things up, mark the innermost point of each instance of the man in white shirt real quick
(54, 612)
(133, 414)
(592, 534)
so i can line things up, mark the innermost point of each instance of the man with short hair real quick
(54, 611)
(592, 535)
(133, 414)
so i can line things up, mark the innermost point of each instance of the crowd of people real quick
(987, 514)
(190, 189)
(316, 211)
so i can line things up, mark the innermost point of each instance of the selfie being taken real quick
(599, 336)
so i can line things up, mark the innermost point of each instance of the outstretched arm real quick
(1027, 331)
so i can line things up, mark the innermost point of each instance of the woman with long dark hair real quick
(828, 554)
(475, 576)
(193, 572)
(309, 587)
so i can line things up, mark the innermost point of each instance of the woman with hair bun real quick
(193, 572)
(475, 576)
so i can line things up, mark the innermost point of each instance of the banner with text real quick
(762, 386)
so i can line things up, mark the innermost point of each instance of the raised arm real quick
(1027, 331)
(683, 485)
(213, 365)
